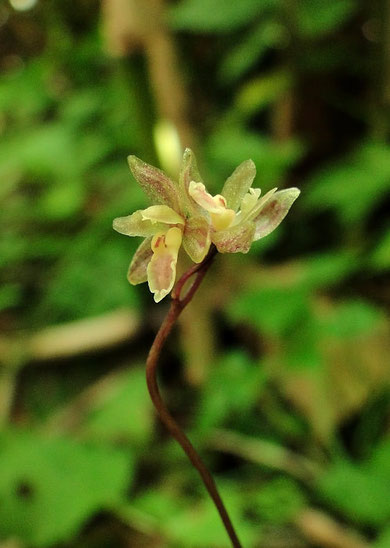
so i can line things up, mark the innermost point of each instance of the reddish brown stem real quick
(177, 305)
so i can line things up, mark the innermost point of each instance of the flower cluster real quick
(185, 214)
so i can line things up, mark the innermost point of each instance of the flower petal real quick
(188, 172)
(196, 238)
(162, 214)
(162, 266)
(212, 204)
(237, 239)
(253, 213)
(273, 211)
(238, 184)
(136, 225)
(249, 201)
(137, 273)
(158, 186)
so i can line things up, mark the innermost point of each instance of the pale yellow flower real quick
(185, 214)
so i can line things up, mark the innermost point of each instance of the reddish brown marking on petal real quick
(160, 240)
(164, 271)
(157, 185)
(235, 240)
(272, 209)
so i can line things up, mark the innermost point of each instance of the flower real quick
(186, 214)
(172, 222)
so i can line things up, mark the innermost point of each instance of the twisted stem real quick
(178, 303)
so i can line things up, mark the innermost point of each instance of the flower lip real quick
(161, 270)
(212, 204)
(221, 217)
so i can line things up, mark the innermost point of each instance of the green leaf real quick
(327, 269)
(24, 93)
(360, 492)
(10, 295)
(262, 91)
(78, 289)
(41, 151)
(302, 351)
(351, 319)
(274, 310)
(215, 15)
(354, 186)
(384, 539)
(196, 524)
(250, 49)
(380, 257)
(125, 413)
(51, 150)
(50, 486)
(316, 17)
(82, 106)
(278, 501)
(199, 526)
(234, 385)
(62, 200)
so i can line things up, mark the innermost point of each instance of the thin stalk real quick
(178, 303)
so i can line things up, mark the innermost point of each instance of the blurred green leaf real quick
(24, 92)
(327, 269)
(159, 503)
(41, 151)
(316, 17)
(360, 492)
(384, 539)
(302, 350)
(262, 91)
(196, 524)
(62, 200)
(216, 15)
(380, 257)
(82, 107)
(125, 413)
(351, 319)
(199, 526)
(235, 384)
(79, 287)
(50, 487)
(12, 248)
(278, 501)
(353, 186)
(251, 49)
(10, 295)
(274, 310)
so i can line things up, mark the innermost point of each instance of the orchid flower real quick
(239, 216)
(184, 213)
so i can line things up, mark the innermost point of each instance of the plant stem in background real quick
(178, 303)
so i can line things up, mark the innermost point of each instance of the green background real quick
(279, 369)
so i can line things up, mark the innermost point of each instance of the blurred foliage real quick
(52, 485)
(360, 491)
(290, 404)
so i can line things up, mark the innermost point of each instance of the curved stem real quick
(177, 305)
